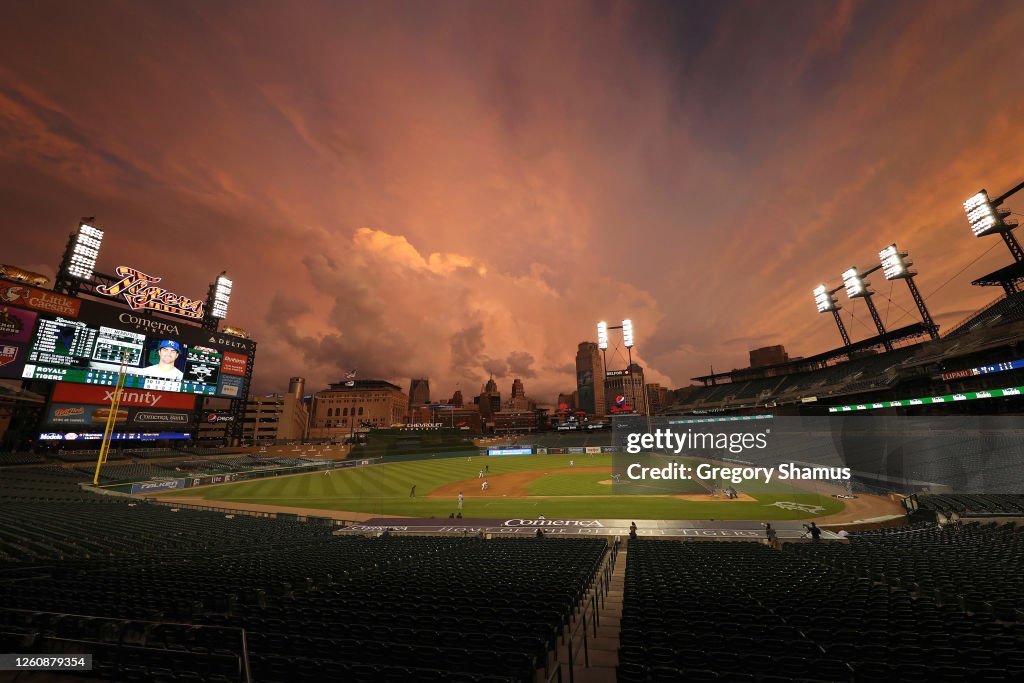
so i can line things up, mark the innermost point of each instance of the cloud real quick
(465, 189)
(519, 364)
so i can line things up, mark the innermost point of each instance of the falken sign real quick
(139, 291)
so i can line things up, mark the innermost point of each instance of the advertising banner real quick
(12, 359)
(16, 327)
(233, 363)
(16, 324)
(116, 436)
(155, 486)
(231, 386)
(142, 398)
(509, 451)
(39, 299)
(585, 527)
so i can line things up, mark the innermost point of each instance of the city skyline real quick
(465, 191)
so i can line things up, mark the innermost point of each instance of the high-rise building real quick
(489, 400)
(590, 379)
(519, 400)
(624, 390)
(567, 400)
(419, 393)
(456, 399)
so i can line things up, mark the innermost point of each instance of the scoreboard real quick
(97, 346)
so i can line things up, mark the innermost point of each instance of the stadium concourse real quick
(158, 593)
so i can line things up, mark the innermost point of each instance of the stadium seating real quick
(965, 565)
(995, 504)
(740, 611)
(162, 594)
(1002, 311)
(20, 459)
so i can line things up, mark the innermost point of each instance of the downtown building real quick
(590, 385)
(625, 390)
(419, 396)
(353, 406)
(516, 421)
(273, 418)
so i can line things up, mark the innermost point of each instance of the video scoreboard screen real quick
(83, 352)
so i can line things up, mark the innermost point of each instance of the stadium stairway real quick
(602, 649)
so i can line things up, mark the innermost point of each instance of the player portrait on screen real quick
(165, 368)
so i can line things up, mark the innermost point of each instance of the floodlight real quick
(627, 333)
(855, 285)
(984, 217)
(85, 251)
(894, 263)
(602, 335)
(824, 299)
(221, 297)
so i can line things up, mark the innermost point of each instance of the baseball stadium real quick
(851, 515)
(424, 553)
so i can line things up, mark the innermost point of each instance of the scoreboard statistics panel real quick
(78, 351)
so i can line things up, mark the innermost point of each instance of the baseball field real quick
(565, 486)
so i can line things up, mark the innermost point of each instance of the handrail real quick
(601, 586)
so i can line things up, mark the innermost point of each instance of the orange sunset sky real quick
(460, 189)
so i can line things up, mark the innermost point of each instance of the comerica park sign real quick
(139, 290)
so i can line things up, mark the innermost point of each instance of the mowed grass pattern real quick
(384, 489)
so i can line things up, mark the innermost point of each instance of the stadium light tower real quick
(826, 302)
(627, 337)
(217, 301)
(859, 288)
(627, 341)
(986, 217)
(895, 266)
(80, 255)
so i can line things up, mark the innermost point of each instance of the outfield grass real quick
(384, 489)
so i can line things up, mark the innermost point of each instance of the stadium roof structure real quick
(1012, 273)
(911, 331)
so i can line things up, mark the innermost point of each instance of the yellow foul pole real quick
(115, 402)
